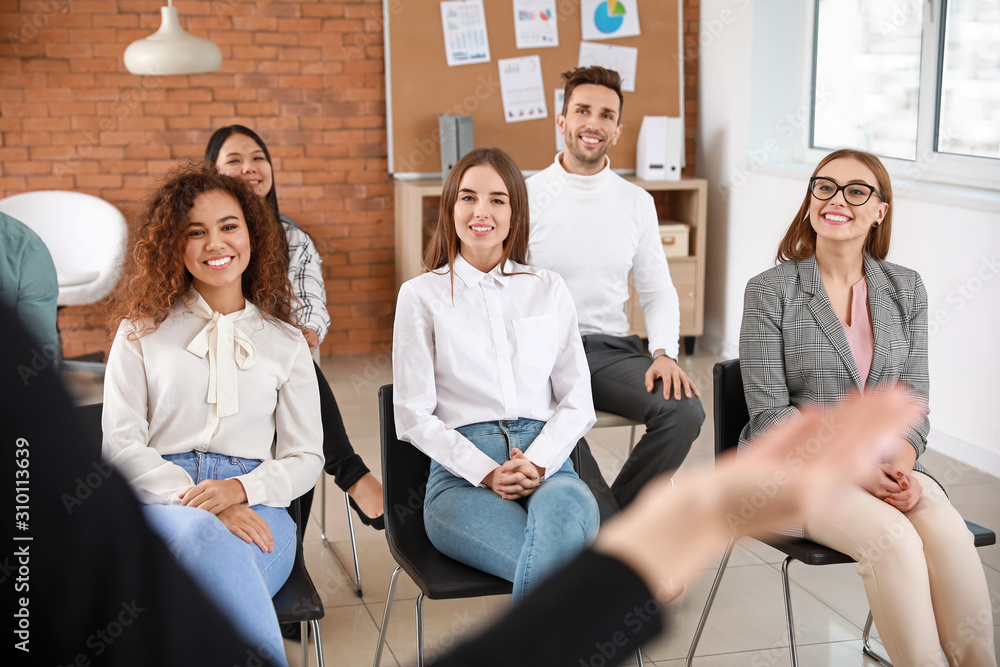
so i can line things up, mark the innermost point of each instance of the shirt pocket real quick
(537, 341)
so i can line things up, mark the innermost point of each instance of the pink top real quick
(859, 334)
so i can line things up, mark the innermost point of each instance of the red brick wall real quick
(306, 74)
(689, 53)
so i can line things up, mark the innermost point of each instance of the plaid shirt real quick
(305, 271)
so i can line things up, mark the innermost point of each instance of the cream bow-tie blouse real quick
(238, 384)
(227, 348)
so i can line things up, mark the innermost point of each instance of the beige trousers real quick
(924, 581)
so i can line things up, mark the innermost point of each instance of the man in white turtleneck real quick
(595, 228)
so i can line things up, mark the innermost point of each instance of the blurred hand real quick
(668, 534)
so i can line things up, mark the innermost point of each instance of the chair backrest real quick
(90, 417)
(731, 413)
(404, 478)
(84, 234)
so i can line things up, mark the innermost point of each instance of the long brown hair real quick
(445, 244)
(154, 276)
(800, 239)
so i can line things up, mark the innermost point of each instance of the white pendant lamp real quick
(170, 50)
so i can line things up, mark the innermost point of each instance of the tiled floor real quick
(746, 626)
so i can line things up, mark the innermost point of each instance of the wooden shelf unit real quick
(678, 201)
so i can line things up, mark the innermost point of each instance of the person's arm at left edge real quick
(37, 294)
(660, 307)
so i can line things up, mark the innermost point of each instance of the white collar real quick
(470, 275)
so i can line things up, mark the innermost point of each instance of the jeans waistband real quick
(497, 427)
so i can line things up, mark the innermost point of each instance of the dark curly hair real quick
(154, 276)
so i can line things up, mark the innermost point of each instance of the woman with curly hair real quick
(211, 408)
(238, 151)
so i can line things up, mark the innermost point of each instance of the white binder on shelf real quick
(660, 151)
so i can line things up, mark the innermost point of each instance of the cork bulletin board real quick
(420, 85)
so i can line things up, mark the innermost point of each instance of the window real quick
(914, 81)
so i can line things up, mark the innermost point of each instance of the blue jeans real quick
(237, 576)
(523, 540)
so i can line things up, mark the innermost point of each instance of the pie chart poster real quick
(609, 19)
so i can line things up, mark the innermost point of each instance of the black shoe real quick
(378, 523)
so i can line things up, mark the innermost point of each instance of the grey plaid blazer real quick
(794, 352)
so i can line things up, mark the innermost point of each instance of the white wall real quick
(753, 110)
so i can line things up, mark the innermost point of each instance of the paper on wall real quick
(609, 19)
(521, 89)
(560, 94)
(622, 59)
(535, 23)
(465, 38)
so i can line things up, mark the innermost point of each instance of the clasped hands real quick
(897, 487)
(224, 498)
(515, 479)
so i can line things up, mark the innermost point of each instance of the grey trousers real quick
(617, 367)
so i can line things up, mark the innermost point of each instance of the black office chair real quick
(731, 416)
(404, 478)
(297, 601)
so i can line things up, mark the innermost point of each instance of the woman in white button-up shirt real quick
(492, 383)
(211, 408)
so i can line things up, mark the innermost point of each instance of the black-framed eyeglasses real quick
(855, 194)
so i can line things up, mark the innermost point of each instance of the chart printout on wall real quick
(420, 84)
(609, 19)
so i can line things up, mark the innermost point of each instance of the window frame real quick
(930, 165)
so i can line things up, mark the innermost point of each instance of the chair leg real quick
(792, 648)
(304, 634)
(385, 616)
(354, 546)
(322, 508)
(866, 646)
(420, 630)
(709, 601)
(317, 643)
(350, 528)
(638, 658)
